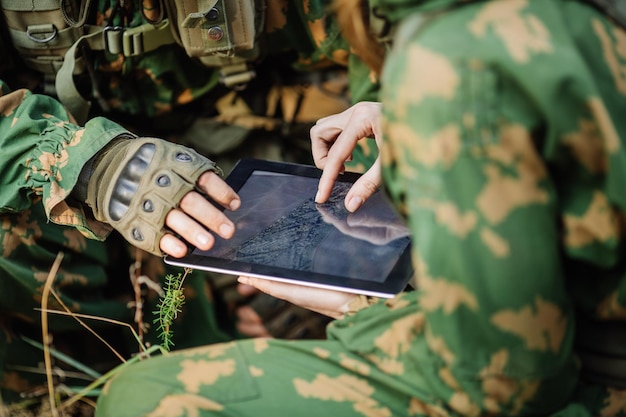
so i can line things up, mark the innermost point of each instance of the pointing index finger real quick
(327, 180)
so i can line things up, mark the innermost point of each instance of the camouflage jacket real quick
(43, 150)
(505, 147)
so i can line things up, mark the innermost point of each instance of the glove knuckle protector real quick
(137, 183)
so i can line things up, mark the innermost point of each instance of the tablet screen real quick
(282, 233)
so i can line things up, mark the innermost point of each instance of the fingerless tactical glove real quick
(134, 183)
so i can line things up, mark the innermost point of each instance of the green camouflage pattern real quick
(504, 147)
(43, 151)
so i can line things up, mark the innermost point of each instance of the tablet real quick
(283, 235)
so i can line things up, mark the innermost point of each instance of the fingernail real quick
(243, 280)
(202, 240)
(235, 204)
(354, 203)
(226, 230)
(317, 196)
(180, 249)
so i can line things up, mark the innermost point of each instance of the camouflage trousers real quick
(374, 363)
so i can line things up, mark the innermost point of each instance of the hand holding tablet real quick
(330, 303)
(283, 235)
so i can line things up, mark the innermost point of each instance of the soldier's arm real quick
(99, 177)
(487, 257)
(43, 153)
(463, 157)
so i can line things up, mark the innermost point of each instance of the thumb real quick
(364, 187)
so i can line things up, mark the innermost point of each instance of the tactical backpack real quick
(50, 36)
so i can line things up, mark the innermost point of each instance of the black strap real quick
(603, 370)
(615, 9)
(601, 347)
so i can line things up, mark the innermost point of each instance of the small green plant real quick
(169, 306)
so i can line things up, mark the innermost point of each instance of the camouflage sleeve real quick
(42, 155)
(474, 154)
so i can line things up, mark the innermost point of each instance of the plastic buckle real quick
(138, 40)
(236, 76)
(145, 38)
(112, 39)
(132, 39)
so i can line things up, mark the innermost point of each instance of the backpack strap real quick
(219, 33)
(116, 40)
(49, 41)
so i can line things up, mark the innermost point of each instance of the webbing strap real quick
(238, 74)
(66, 89)
(602, 369)
(30, 5)
(601, 347)
(36, 36)
(45, 64)
(129, 41)
(138, 40)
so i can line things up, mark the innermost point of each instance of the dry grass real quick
(56, 400)
(43, 410)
